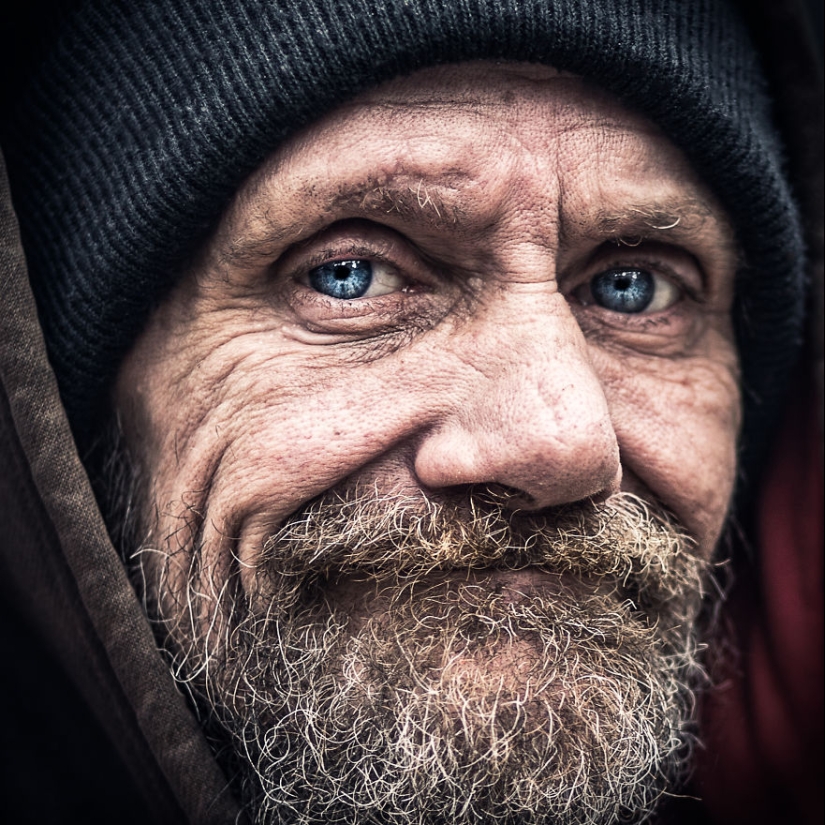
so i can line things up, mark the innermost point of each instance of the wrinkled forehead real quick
(517, 97)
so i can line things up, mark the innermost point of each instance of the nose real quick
(526, 411)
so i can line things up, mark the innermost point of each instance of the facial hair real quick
(496, 667)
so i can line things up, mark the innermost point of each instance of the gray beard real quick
(450, 697)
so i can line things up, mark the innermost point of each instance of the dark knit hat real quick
(150, 113)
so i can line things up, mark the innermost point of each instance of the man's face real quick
(465, 309)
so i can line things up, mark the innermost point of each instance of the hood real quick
(762, 724)
(97, 731)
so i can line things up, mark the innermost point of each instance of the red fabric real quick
(764, 724)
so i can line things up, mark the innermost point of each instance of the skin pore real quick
(479, 278)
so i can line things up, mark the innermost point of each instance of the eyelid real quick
(355, 240)
(670, 260)
(347, 253)
(675, 264)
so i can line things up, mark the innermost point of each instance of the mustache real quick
(634, 544)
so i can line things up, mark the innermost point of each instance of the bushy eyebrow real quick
(435, 205)
(680, 221)
(689, 216)
(442, 206)
(413, 198)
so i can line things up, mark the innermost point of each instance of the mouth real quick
(362, 598)
(362, 557)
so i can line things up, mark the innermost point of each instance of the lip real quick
(362, 598)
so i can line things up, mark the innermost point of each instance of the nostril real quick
(491, 494)
(515, 498)
(505, 496)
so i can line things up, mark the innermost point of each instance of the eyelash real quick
(654, 265)
(380, 247)
(346, 253)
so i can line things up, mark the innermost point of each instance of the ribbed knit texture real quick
(150, 114)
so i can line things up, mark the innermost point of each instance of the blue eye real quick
(342, 279)
(624, 290)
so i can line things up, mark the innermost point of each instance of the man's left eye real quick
(630, 290)
(356, 278)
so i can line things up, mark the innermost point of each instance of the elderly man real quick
(414, 353)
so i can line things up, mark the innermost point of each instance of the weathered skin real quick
(492, 194)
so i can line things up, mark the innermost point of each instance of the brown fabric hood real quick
(98, 732)
(66, 594)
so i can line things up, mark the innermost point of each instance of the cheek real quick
(677, 424)
(274, 429)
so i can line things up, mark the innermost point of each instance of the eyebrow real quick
(675, 218)
(410, 197)
(429, 203)
(689, 215)
(439, 207)
(677, 221)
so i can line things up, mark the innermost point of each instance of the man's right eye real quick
(355, 278)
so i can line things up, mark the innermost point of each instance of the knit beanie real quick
(149, 114)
